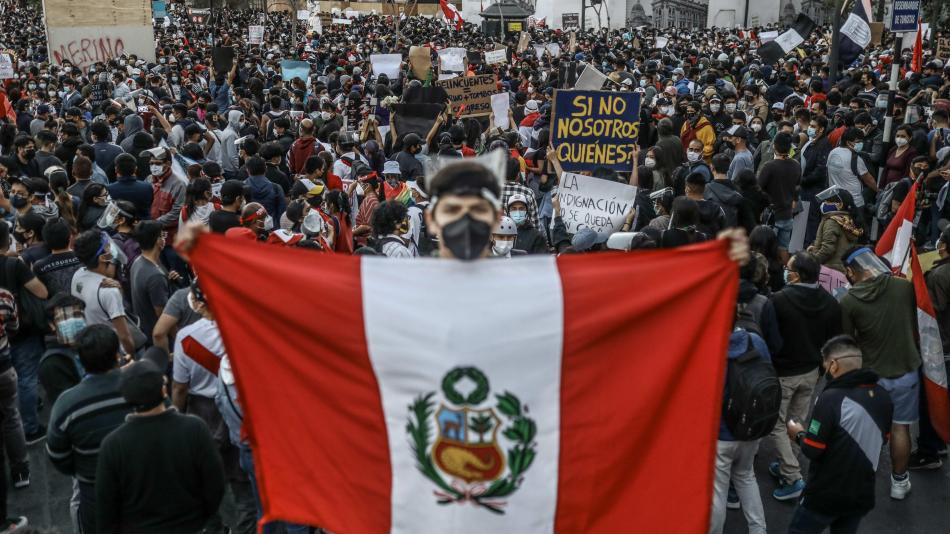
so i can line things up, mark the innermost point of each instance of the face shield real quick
(866, 260)
(830, 194)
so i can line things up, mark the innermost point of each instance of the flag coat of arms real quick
(536, 395)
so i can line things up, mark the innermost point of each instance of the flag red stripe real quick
(938, 404)
(318, 396)
(640, 401)
(815, 444)
(904, 213)
(200, 354)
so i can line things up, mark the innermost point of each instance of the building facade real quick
(679, 13)
(637, 15)
(817, 10)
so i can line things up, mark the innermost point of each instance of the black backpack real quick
(753, 395)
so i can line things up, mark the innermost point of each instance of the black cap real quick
(464, 178)
(232, 189)
(141, 385)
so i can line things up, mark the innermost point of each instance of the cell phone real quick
(143, 109)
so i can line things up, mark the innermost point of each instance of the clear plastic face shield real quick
(829, 195)
(866, 260)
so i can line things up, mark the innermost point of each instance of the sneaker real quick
(12, 524)
(732, 499)
(787, 492)
(21, 478)
(924, 461)
(35, 437)
(774, 469)
(900, 488)
(943, 452)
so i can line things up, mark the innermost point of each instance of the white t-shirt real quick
(840, 174)
(197, 342)
(103, 304)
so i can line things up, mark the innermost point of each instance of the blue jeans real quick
(806, 521)
(246, 460)
(26, 353)
(783, 229)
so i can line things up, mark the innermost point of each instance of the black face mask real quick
(20, 237)
(467, 237)
(30, 154)
(18, 201)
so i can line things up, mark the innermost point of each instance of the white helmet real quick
(506, 227)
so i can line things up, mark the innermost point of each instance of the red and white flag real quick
(535, 395)
(451, 14)
(897, 246)
(897, 240)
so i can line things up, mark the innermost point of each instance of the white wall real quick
(728, 13)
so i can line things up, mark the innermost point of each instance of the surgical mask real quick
(643, 83)
(466, 237)
(502, 248)
(859, 146)
(325, 115)
(786, 275)
(649, 162)
(730, 108)
(519, 216)
(828, 208)
(756, 127)
(715, 108)
(68, 329)
(156, 170)
(812, 132)
(693, 157)
(901, 141)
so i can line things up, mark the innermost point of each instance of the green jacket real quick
(881, 313)
(836, 234)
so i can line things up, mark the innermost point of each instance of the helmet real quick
(506, 227)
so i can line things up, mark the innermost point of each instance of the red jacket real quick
(300, 151)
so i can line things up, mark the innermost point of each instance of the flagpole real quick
(891, 92)
(835, 41)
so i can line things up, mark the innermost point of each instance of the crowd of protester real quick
(101, 166)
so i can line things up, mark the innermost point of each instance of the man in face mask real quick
(465, 207)
(698, 127)
(59, 367)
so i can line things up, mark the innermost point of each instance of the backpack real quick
(885, 197)
(426, 244)
(753, 395)
(377, 244)
(750, 313)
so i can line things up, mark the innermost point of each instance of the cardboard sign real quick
(388, 64)
(591, 129)
(452, 59)
(95, 31)
(500, 104)
(6, 67)
(943, 47)
(877, 31)
(303, 14)
(290, 69)
(255, 35)
(572, 43)
(661, 42)
(493, 57)
(222, 57)
(595, 203)
(590, 79)
(472, 92)
(523, 41)
(420, 61)
(570, 20)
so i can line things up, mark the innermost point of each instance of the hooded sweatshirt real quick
(268, 194)
(808, 316)
(300, 151)
(229, 151)
(133, 124)
(724, 193)
(881, 313)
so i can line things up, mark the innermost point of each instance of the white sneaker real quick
(900, 488)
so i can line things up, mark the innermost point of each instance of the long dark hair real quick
(193, 192)
(88, 201)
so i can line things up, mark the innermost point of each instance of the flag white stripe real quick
(899, 256)
(931, 349)
(455, 322)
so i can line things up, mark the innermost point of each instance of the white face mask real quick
(268, 223)
(715, 108)
(156, 170)
(649, 162)
(502, 248)
(325, 115)
(901, 141)
(756, 127)
(693, 157)
(730, 108)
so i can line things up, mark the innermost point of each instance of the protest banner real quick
(344, 22)
(6, 67)
(595, 203)
(943, 46)
(661, 42)
(222, 58)
(590, 79)
(500, 105)
(387, 64)
(255, 35)
(570, 20)
(766, 37)
(94, 31)
(473, 92)
(159, 10)
(303, 14)
(493, 57)
(290, 69)
(415, 118)
(420, 61)
(523, 41)
(554, 49)
(591, 129)
(452, 59)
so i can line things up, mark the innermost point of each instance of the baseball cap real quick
(140, 384)
(517, 197)
(737, 131)
(43, 108)
(778, 105)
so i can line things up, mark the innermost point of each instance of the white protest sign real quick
(255, 35)
(493, 57)
(344, 22)
(452, 59)
(499, 109)
(590, 79)
(447, 75)
(6, 67)
(98, 31)
(554, 49)
(387, 64)
(595, 203)
(303, 14)
(539, 50)
(661, 42)
(766, 37)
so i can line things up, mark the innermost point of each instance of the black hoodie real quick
(807, 318)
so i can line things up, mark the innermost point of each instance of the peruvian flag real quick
(897, 246)
(451, 13)
(917, 60)
(536, 395)
(896, 242)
